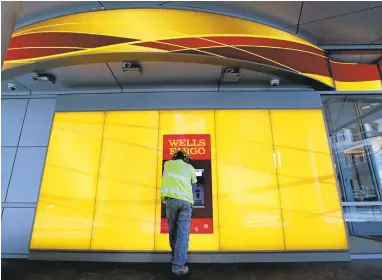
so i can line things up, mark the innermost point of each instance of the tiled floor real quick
(356, 270)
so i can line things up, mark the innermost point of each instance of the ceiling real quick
(357, 56)
(321, 22)
(109, 77)
(342, 23)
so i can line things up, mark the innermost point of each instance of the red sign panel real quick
(199, 147)
(196, 145)
(198, 226)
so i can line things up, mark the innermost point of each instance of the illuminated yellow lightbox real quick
(267, 183)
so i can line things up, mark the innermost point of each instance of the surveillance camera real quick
(275, 82)
(131, 66)
(12, 86)
(127, 64)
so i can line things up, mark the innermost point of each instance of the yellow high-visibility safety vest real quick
(176, 181)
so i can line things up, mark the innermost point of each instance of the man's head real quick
(181, 155)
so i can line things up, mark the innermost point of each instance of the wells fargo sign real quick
(196, 145)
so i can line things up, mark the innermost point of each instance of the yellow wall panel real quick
(65, 209)
(125, 205)
(268, 169)
(248, 196)
(309, 196)
(188, 122)
(75, 141)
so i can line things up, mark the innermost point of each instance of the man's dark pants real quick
(178, 213)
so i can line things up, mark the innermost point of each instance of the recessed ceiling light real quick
(365, 107)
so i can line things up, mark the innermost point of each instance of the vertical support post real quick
(9, 13)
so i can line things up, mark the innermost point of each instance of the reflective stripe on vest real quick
(175, 191)
(177, 176)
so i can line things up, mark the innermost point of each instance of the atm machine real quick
(202, 215)
(199, 190)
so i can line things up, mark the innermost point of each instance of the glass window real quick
(353, 166)
(371, 117)
(355, 129)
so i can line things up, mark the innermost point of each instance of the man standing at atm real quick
(178, 183)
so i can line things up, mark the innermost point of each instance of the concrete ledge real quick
(13, 256)
(205, 257)
(366, 256)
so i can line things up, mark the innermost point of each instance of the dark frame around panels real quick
(271, 99)
(189, 101)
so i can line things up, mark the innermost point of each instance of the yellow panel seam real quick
(277, 178)
(98, 178)
(216, 183)
(156, 184)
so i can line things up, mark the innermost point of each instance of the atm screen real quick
(199, 172)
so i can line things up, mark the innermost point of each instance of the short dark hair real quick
(179, 155)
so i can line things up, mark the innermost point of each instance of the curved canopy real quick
(163, 34)
(184, 36)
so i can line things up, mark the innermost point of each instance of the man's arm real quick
(193, 178)
(163, 198)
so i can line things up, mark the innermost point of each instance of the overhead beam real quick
(351, 47)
